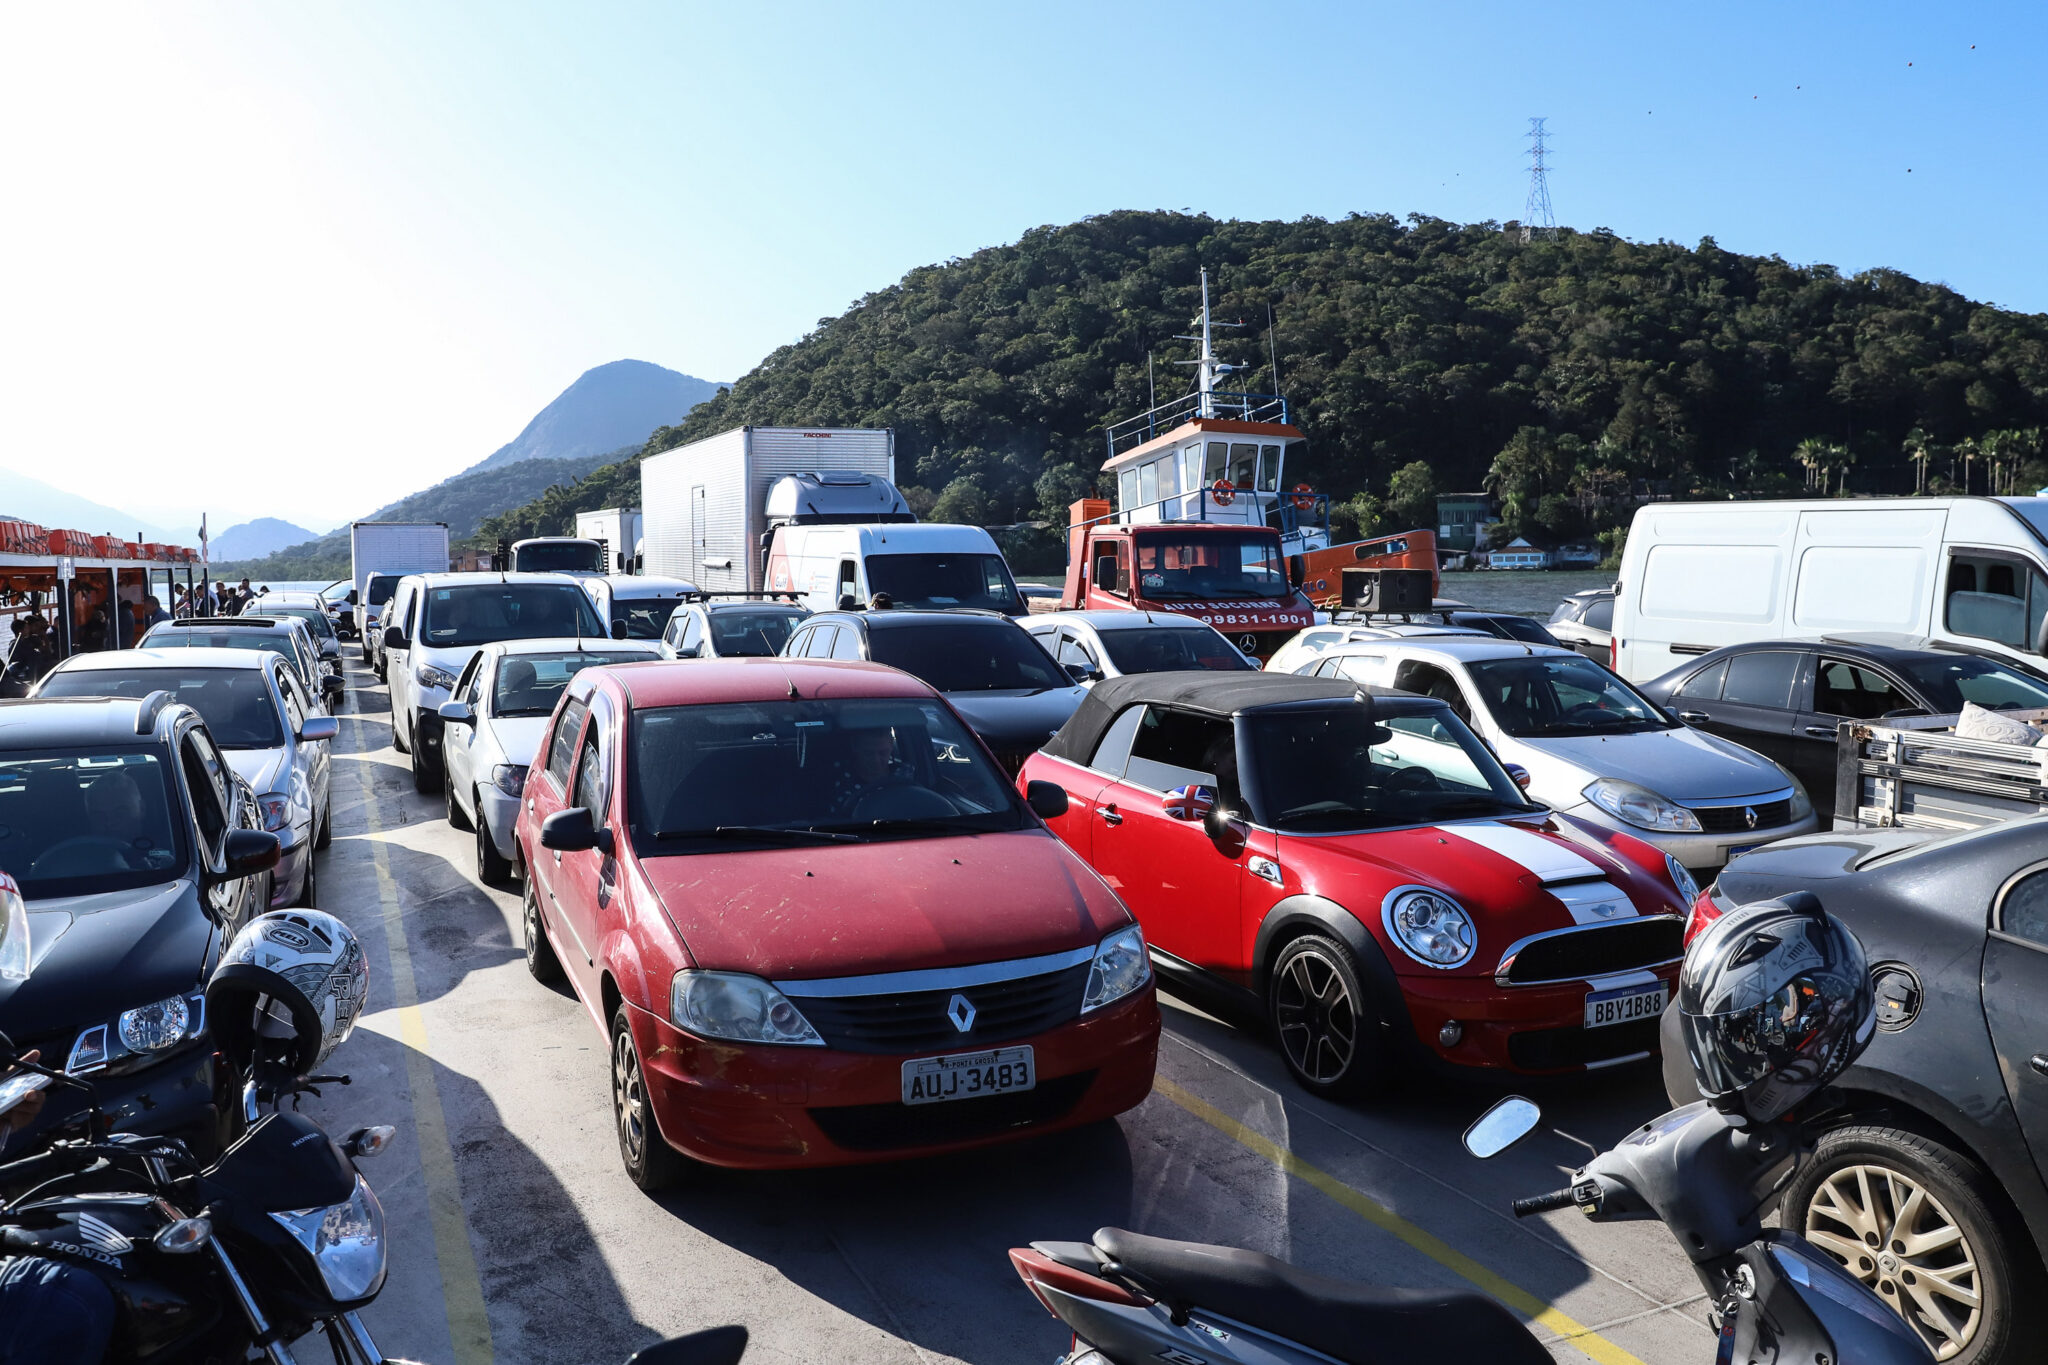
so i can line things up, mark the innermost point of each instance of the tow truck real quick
(1201, 525)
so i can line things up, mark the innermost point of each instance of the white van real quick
(1970, 573)
(918, 564)
(643, 602)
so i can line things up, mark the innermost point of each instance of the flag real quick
(202, 538)
(1188, 803)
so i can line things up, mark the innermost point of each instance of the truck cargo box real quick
(1915, 772)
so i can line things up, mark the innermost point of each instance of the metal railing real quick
(1241, 407)
(1281, 511)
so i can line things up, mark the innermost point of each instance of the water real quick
(1525, 592)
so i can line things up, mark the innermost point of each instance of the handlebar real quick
(1543, 1203)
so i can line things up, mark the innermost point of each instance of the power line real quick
(1537, 219)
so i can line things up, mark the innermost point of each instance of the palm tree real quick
(1918, 446)
(1812, 454)
(1967, 448)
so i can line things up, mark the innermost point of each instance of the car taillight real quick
(1704, 912)
(1614, 652)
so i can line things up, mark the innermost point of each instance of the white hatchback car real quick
(491, 727)
(1093, 645)
(1593, 746)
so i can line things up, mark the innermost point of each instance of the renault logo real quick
(1749, 816)
(961, 1012)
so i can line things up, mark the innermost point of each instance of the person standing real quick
(153, 613)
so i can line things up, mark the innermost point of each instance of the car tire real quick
(397, 740)
(650, 1162)
(309, 889)
(455, 815)
(1322, 1020)
(326, 836)
(426, 775)
(541, 961)
(492, 867)
(1862, 1176)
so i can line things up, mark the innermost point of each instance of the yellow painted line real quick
(1513, 1295)
(462, 1292)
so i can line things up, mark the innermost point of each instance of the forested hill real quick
(1564, 373)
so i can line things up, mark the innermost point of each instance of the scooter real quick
(279, 1237)
(1711, 1179)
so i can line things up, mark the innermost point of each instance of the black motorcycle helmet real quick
(1774, 1002)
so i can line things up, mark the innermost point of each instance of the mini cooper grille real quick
(1734, 820)
(919, 1022)
(887, 1127)
(1554, 1049)
(1597, 950)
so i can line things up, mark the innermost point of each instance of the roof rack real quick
(788, 595)
(149, 708)
(210, 622)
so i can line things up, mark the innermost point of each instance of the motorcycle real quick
(279, 1237)
(1711, 1180)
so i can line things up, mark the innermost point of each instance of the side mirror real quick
(1519, 773)
(1105, 573)
(848, 602)
(456, 711)
(352, 597)
(1672, 712)
(1188, 803)
(618, 630)
(394, 637)
(1223, 828)
(331, 685)
(1297, 571)
(2041, 637)
(1048, 800)
(315, 728)
(330, 649)
(1082, 673)
(573, 831)
(245, 852)
(1501, 1127)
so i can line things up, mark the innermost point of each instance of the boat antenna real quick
(1151, 390)
(1208, 369)
(1273, 349)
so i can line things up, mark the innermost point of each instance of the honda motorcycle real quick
(1776, 1299)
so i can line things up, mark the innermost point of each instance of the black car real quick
(1784, 698)
(139, 854)
(1505, 626)
(1928, 1180)
(1000, 680)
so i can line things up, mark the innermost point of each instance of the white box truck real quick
(814, 513)
(1969, 574)
(391, 547)
(617, 529)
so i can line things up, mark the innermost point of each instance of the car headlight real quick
(1430, 927)
(1121, 966)
(277, 811)
(1682, 879)
(1641, 807)
(345, 1240)
(509, 778)
(1802, 804)
(432, 675)
(152, 1028)
(743, 1008)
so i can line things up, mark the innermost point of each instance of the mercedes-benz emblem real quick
(1248, 643)
(1749, 816)
(961, 1011)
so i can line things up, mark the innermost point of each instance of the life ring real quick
(1304, 498)
(1224, 491)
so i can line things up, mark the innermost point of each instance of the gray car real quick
(491, 727)
(282, 635)
(260, 716)
(1093, 645)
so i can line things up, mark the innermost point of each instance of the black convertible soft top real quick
(1219, 693)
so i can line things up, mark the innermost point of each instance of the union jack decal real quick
(1189, 803)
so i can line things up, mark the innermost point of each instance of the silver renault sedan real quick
(492, 725)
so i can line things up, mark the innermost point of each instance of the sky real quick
(300, 260)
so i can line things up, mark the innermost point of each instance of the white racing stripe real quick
(1588, 901)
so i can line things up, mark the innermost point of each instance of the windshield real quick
(645, 617)
(968, 656)
(315, 619)
(963, 580)
(559, 556)
(529, 684)
(1321, 769)
(775, 772)
(477, 614)
(1164, 650)
(1208, 566)
(380, 588)
(77, 823)
(235, 703)
(1552, 696)
(736, 634)
(1948, 683)
(1522, 628)
(175, 637)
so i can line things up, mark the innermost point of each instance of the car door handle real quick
(1821, 731)
(1110, 816)
(2039, 1063)
(1694, 717)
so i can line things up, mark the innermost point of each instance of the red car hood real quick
(889, 906)
(1515, 877)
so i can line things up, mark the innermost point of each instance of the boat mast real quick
(1207, 367)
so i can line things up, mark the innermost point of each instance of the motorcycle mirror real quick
(1502, 1126)
(719, 1346)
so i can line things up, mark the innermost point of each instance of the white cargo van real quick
(917, 564)
(1969, 573)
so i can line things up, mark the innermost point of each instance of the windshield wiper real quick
(795, 834)
(1475, 803)
(955, 825)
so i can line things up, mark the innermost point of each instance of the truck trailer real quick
(617, 529)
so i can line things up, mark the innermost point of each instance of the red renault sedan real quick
(816, 924)
(1364, 872)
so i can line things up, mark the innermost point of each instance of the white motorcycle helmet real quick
(288, 990)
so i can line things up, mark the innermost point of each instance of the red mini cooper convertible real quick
(816, 923)
(1363, 871)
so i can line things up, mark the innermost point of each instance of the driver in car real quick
(871, 765)
(114, 810)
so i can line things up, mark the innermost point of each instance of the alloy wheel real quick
(1316, 1017)
(1893, 1234)
(629, 1098)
